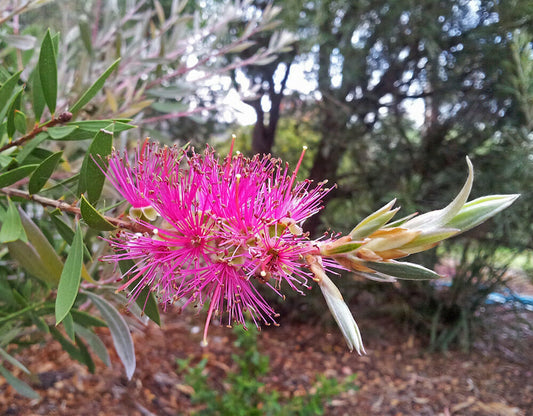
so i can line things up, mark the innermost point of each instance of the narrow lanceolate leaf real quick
(146, 299)
(66, 232)
(94, 126)
(21, 122)
(13, 361)
(12, 228)
(402, 270)
(94, 342)
(21, 387)
(92, 176)
(15, 175)
(93, 218)
(479, 210)
(48, 72)
(37, 96)
(69, 282)
(43, 172)
(6, 91)
(119, 331)
(85, 34)
(37, 256)
(15, 106)
(68, 324)
(28, 258)
(60, 132)
(93, 89)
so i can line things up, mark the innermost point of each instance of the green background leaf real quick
(146, 299)
(93, 89)
(92, 177)
(43, 172)
(15, 175)
(48, 72)
(93, 218)
(12, 229)
(119, 331)
(69, 282)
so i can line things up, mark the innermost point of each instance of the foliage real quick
(63, 106)
(246, 394)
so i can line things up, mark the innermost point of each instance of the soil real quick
(398, 376)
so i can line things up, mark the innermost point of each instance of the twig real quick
(63, 206)
(15, 12)
(62, 118)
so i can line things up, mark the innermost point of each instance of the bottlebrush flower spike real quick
(220, 226)
(215, 228)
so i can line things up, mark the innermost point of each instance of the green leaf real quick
(12, 228)
(60, 132)
(6, 91)
(93, 218)
(92, 177)
(29, 147)
(94, 342)
(50, 264)
(67, 234)
(97, 125)
(72, 350)
(169, 107)
(21, 123)
(93, 89)
(68, 324)
(119, 331)
(146, 299)
(48, 71)
(13, 361)
(402, 270)
(21, 387)
(37, 94)
(85, 355)
(85, 34)
(28, 258)
(15, 175)
(75, 135)
(86, 319)
(147, 302)
(69, 282)
(43, 172)
(15, 105)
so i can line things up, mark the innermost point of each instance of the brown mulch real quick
(397, 376)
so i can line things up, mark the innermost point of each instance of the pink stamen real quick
(293, 177)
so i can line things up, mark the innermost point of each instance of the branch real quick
(61, 119)
(15, 12)
(63, 206)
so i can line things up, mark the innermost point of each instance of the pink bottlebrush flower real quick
(215, 228)
(218, 228)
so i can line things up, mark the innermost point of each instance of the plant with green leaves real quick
(57, 125)
(246, 393)
(196, 227)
